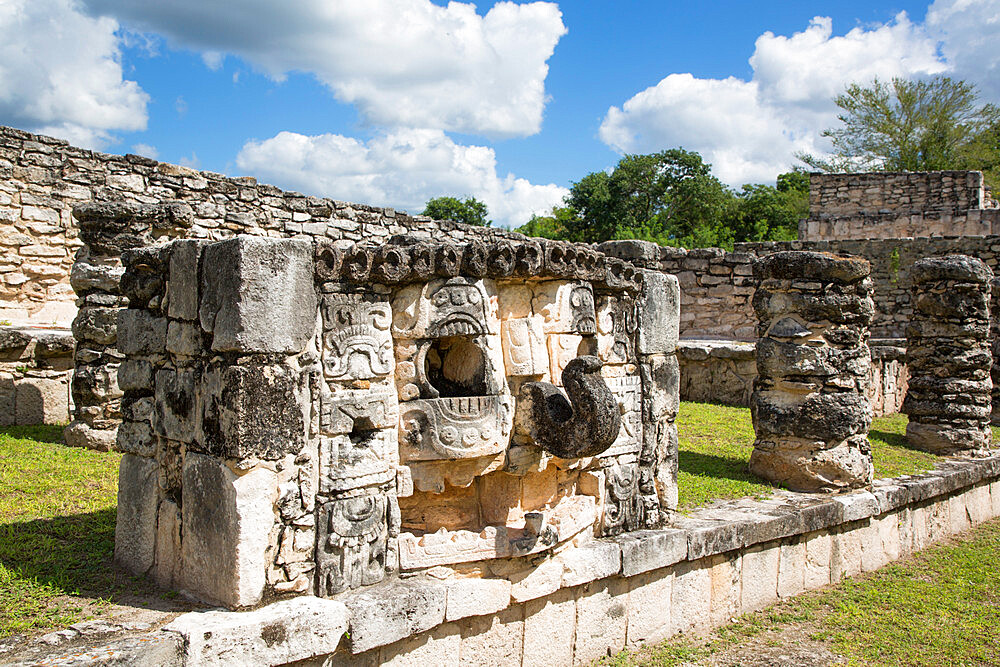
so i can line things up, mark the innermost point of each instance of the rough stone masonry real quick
(301, 417)
(948, 353)
(810, 408)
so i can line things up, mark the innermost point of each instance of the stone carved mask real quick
(356, 333)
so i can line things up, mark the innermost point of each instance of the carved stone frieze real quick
(352, 541)
(441, 308)
(356, 339)
(622, 506)
(524, 349)
(617, 323)
(457, 427)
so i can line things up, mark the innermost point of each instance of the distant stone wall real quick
(898, 205)
(42, 179)
(719, 371)
(35, 370)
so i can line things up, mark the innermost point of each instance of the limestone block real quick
(182, 283)
(601, 618)
(98, 325)
(848, 554)
(760, 577)
(135, 438)
(8, 401)
(938, 520)
(659, 313)
(135, 375)
(858, 505)
(538, 581)
(493, 641)
(726, 574)
(649, 610)
(549, 629)
(174, 410)
(357, 344)
(475, 597)
(524, 349)
(253, 410)
(41, 401)
(279, 633)
(661, 392)
(135, 527)
(566, 307)
(141, 333)
(904, 519)
(691, 598)
(228, 521)
(81, 434)
(257, 294)
(394, 610)
(183, 339)
(590, 562)
(459, 427)
(646, 550)
(873, 555)
(441, 646)
(978, 504)
(888, 537)
(446, 307)
(792, 568)
(167, 560)
(514, 301)
(959, 514)
(921, 534)
(995, 497)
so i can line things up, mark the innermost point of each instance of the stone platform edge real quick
(585, 603)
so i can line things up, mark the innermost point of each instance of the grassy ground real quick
(57, 524)
(716, 442)
(938, 607)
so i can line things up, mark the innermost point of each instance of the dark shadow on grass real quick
(52, 433)
(894, 439)
(720, 467)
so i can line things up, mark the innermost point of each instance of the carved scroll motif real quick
(622, 508)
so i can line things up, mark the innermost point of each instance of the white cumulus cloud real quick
(402, 63)
(60, 73)
(402, 168)
(750, 130)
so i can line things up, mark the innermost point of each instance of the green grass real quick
(939, 607)
(716, 442)
(57, 523)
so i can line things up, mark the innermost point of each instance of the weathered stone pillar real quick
(809, 405)
(995, 348)
(948, 354)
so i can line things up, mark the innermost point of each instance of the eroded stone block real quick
(257, 294)
(524, 349)
(135, 527)
(659, 313)
(228, 519)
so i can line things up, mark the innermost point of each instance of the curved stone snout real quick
(584, 425)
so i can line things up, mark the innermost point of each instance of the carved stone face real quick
(457, 309)
(356, 337)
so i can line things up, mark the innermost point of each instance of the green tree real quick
(548, 226)
(669, 197)
(905, 125)
(471, 211)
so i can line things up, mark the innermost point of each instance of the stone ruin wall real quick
(899, 205)
(42, 179)
(301, 418)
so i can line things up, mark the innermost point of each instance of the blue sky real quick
(390, 102)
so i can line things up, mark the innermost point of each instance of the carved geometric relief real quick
(628, 393)
(523, 342)
(458, 427)
(565, 307)
(348, 410)
(622, 508)
(617, 322)
(441, 308)
(351, 542)
(356, 340)
(351, 461)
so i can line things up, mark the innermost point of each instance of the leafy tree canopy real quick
(905, 125)
(471, 211)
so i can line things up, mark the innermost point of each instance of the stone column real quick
(809, 405)
(995, 348)
(948, 354)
